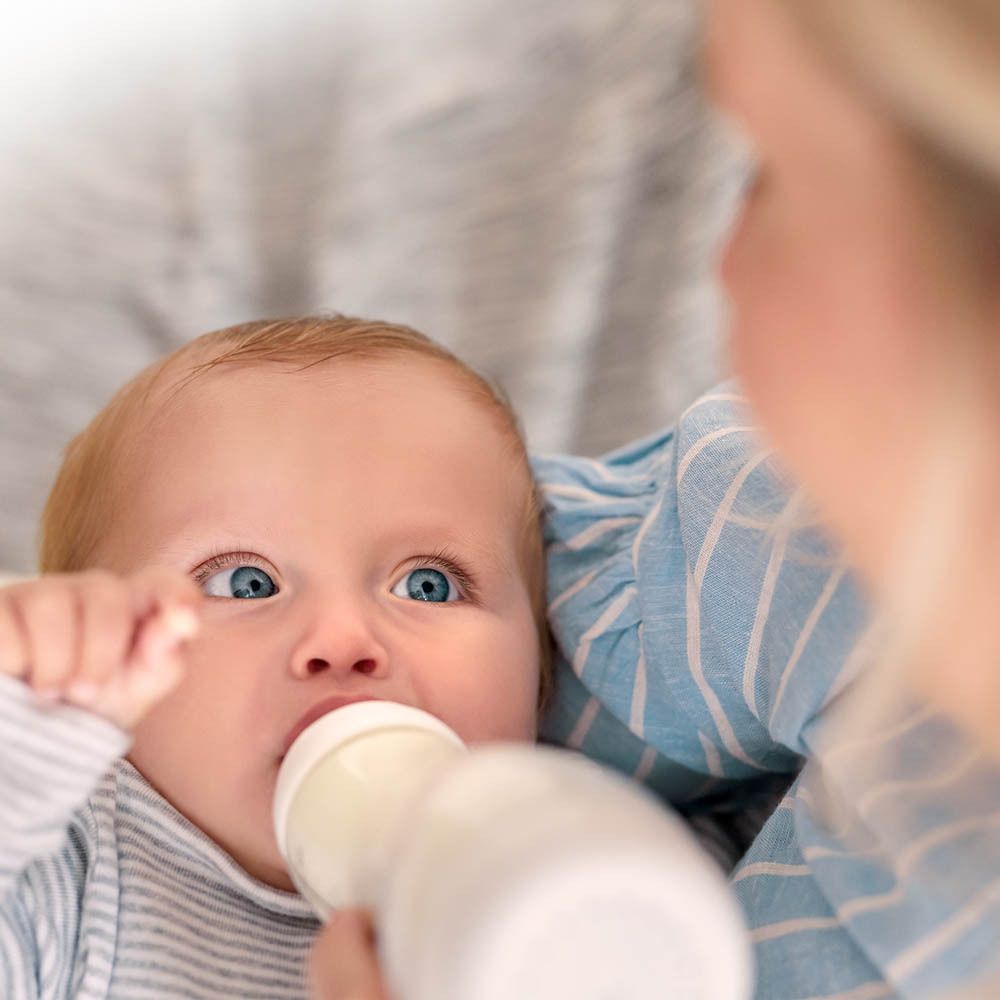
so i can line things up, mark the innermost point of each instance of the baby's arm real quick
(82, 657)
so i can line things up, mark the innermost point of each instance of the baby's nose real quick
(339, 644)
(317, 665)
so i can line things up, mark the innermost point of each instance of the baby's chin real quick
(259, 858)
(266, 865)
(276, 876)
(263, 863)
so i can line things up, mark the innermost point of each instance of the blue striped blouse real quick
(708, 634)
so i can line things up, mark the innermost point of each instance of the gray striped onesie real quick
(107, 891)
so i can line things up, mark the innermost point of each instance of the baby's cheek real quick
(486, 708)
(512, 711)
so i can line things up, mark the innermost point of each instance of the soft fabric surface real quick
(533, 182)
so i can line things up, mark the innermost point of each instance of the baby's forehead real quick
(292, 440)
(402, 385)
(387, 399)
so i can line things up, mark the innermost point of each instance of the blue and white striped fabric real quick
(706, 633)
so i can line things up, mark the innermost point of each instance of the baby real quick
(276, 520)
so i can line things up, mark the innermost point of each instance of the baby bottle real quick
(505, 872)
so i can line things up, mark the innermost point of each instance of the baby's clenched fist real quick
(111, 644)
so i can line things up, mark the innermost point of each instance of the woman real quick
(864, 276)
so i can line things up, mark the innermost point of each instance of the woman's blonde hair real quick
(932, 68)
(89, 488)
(935, 66)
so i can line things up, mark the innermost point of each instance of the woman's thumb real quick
(343, 964)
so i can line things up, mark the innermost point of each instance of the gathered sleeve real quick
(708, 634)
(692, 597)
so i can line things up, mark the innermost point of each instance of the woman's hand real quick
(343, 964)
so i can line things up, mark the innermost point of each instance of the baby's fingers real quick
(155, 660)
(131, 694)
(107, 632)
(13, 642)
(107, 643)
(157, 590)
(154, 668)
(161, 636)
(48, 614)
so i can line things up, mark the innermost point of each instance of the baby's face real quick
(370, 513)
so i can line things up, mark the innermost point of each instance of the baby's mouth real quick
(317, 711)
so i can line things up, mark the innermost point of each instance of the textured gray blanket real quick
(534, 182)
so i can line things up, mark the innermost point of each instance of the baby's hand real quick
(103, 642)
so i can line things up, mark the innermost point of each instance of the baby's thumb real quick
(343, 964)
(155, 667)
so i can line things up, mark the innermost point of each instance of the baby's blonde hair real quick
(89, 488)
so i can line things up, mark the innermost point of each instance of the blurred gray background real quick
(536, 183)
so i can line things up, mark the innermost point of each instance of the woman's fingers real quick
(343, 964)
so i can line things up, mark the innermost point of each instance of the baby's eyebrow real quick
(476, 546)
(187, 542)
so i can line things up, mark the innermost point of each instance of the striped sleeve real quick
(707, 628)
(693, 602)
(51, 759)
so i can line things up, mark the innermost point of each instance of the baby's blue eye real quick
(241, 581)
(426, 584)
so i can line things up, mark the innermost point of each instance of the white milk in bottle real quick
(505, 872)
